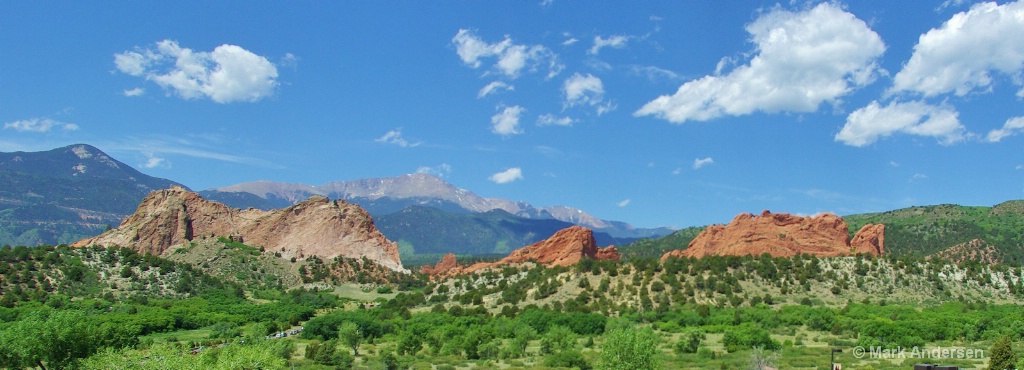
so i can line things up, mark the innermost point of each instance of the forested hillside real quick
(922, 231)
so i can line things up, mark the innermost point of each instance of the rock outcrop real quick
(869, 239)
(566, 247)
(173, 217)
(447, 266)
(783, 235)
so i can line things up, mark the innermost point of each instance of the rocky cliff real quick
(566, 247)
(783, 235)
(173, 217)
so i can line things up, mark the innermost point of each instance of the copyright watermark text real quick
(918, 352)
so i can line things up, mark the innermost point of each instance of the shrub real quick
(746, 336)
(630, 349)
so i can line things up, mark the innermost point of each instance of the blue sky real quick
(665, 113)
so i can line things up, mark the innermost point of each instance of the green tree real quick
(325, 354)
(1001, 356)
(52, 340)
(409, 343)
(559, 338)
(351, 335)
(571, 358)
(690, 340)
(629, 349)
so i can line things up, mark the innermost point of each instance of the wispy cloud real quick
(138, 91)
(586, 90)
(441, 170)
(511, 59)
(162, 147)
(615, 42)
(39, 125)
(153, 161)
(494, 88)
(552, 120)
(394, 137)
(1012, 127)
(701, 162)
(655, 74)
(624, 202)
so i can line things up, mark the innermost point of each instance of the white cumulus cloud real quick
(1012, 127)
(40, 125)
(701, 162)
(510, 59)
(506, 122)
(227, 74)
(494, 88)
(802, 59)
(866, 125)
(507, 176)
(962, 55)
(615, 42)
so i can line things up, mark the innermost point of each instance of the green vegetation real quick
(922, 231)
(655, 248)
(716, 312)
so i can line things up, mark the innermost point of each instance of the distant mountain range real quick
(65, 194)
(389, 195)
(428, 230)
(70, 193)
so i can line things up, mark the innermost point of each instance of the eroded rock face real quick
(566, 247)
(869, 239)
(316, 227)
(783, 235)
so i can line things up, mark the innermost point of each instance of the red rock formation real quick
(782, 235)
(316, 227)
(565, 248)
(607, 253)
(446, 267)
(869, 239)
